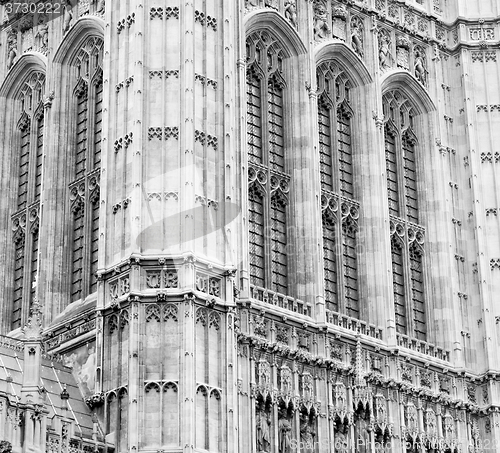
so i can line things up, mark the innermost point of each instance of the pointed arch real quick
(410, 87)
(347, 59)
(27, 64)
(73, 41)
(278, 27)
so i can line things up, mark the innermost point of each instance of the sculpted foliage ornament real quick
(5, 446)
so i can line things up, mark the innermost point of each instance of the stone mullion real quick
(267, 201)
(242, 162)
(229, 110)
(320, 302)
(400, 168)
(89, 164)
(334, 145)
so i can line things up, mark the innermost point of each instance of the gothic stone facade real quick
(254, 225)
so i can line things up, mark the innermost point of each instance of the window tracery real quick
(25, 221)
(407, 234)
(84, 188)
(340, 209)
(268, 177)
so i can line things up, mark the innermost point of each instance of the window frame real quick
(336, 208)
(25, 218)
(408, 234)
(271, 184)
(84, 190)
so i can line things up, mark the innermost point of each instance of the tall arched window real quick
(407, 234)
(25, 217)
(340, 209)
(84, 188)
(268, 177)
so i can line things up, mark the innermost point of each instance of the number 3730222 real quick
(52, 7)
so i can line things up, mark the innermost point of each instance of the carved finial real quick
(34, 327)
(64, 394)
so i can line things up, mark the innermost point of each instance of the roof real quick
(54, 377)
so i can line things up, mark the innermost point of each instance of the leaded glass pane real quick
(392, 179)
(81, 134)
(98, 126)
(94, 246)
(39, 159)
(276, 145)
(350, 271)
(417, 293)
(330, 264)
(410, 178)
(256, 243)
(18, 284)
(22, 196)
(345, 155)
(78, 247)
(325, 149)
(254, 119)
(398, 287)
(278, 247)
